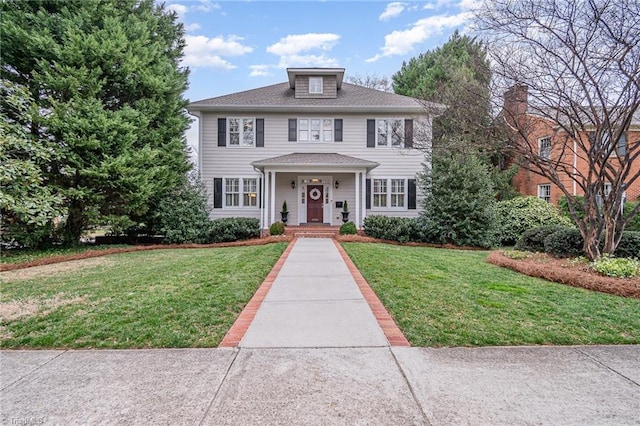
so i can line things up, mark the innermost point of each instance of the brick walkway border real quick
(389, 327)
(241, 325)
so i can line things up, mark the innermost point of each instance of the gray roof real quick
(280, 97)
(315, 159)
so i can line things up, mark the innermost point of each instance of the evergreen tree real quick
(106, 80)
(459, 204)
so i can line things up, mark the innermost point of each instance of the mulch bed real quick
(364, 239)
(97, 253)
(562, 271)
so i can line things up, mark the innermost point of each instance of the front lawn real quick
(146, 299)
(443, 297)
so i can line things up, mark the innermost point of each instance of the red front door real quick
(315, 197)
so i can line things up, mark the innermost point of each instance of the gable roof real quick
(280, 98)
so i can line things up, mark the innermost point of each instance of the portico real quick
(315, 186)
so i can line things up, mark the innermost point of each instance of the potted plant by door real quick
(284, 212)
(345, 212)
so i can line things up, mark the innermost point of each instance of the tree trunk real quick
(591, 245)
(75, 223)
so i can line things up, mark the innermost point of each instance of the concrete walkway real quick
(315, 354)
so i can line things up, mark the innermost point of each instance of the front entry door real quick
(315, 208)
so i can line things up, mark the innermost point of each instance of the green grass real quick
(28, 255)
(159, 299)
(454, 298)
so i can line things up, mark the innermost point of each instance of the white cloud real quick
(402, 42)
(207, 6)
(392, 10)
(307, 61)
(259, 70)
(179, 9)
(301, 50)
(201, 51)
(192, 27)
(294, 44)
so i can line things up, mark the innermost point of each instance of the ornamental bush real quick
(276, 228)
(233, 229)
(400, 229)
(616, 267)
(566, 242)
(629, 245)
(520, 214)
(183, 216)
(348, 228)
(533, 239)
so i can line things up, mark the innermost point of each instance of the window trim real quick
(241, 135)
(548, 154)
(316, 79)
(388, 207)
(390, 144)
(240, 193)
(546, 185)
(308, 130)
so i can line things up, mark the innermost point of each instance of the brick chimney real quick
(515, 101)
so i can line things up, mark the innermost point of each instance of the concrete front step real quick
(313, 231)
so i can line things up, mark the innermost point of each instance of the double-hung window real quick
(379, 193)
(389, 132)
(250, 192)
(397, 193)
(241, 132)
(232, 192)
(544, 192)
(544, 148)
(315, 130)
(315, 85)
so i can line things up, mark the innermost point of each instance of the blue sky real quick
(240, 45)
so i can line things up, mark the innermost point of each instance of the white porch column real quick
(273, 197)
(263, 200)
(363, 183)
(357, 213)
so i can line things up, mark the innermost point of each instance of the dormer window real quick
(315, 85)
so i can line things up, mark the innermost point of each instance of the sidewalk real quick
(315, 354)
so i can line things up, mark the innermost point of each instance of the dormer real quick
(315, 83)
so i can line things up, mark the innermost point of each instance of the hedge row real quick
(567, 242)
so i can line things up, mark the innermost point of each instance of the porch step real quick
(313, 231)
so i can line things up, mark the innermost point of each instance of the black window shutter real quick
(371, 133)
(337, 126)
(368, 195)
(222, 132)
(411, 194)
(259, 132)
(217, 193)
(408, 133)
(293, 129)
(259, 192)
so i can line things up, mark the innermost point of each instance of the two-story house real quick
(315, 142)
(549, 141)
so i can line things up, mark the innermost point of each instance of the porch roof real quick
(315, 159)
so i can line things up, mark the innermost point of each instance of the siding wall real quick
(329, 87)
(235, 162)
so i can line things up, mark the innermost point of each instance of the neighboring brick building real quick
(553, 142)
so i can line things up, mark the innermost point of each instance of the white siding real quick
(235, 162)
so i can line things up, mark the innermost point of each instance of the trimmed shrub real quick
(629, 245)
(276, 228)
(634, 224)
(533, 239)
(520, 214)
(565, 242)
(400, 229)
(233, 229)
(563, 206)
(348, 228)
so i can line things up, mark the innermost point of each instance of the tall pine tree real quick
(106, 78)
